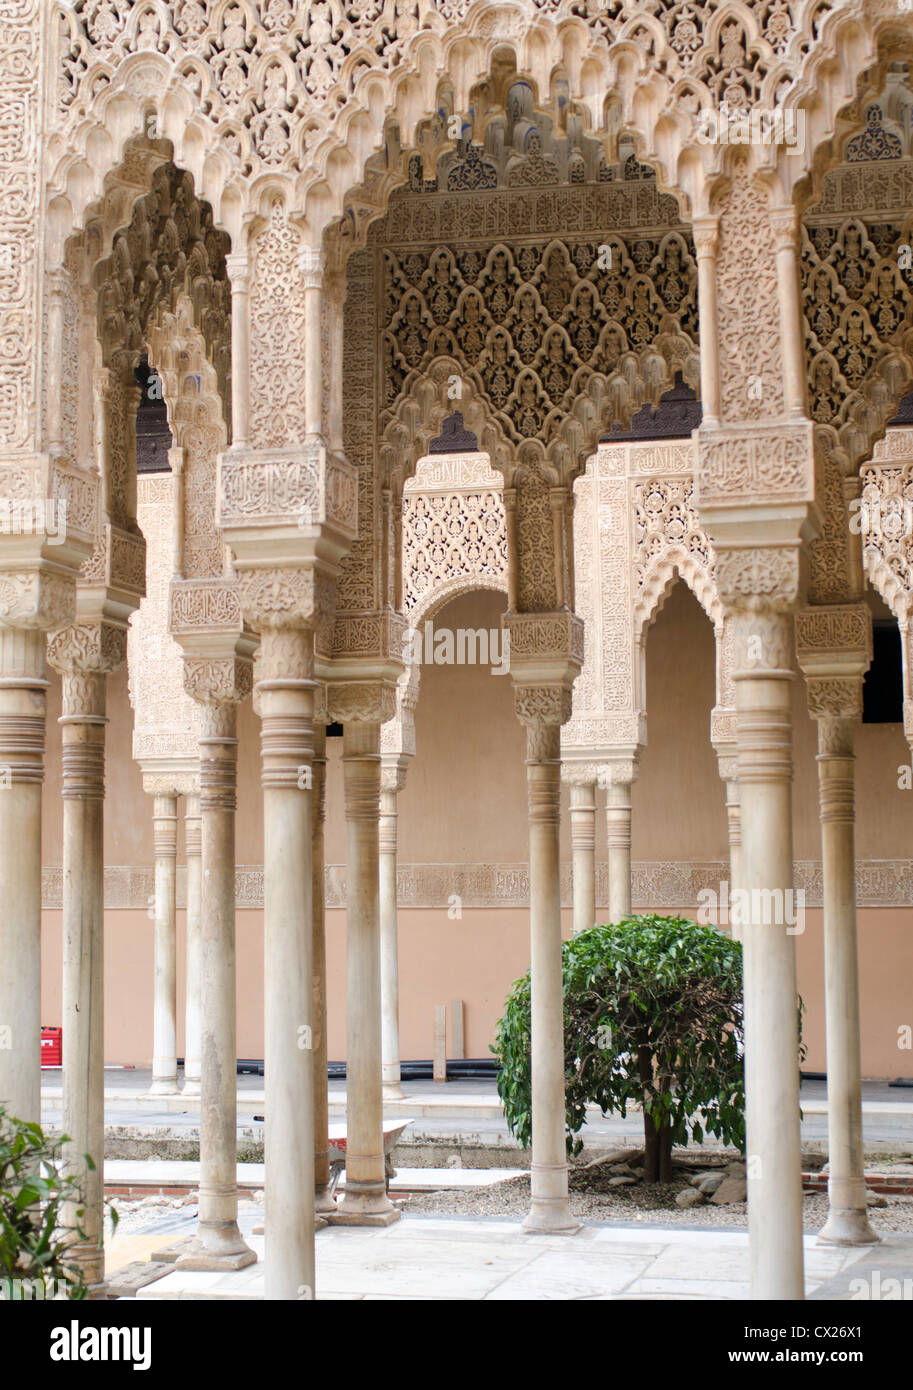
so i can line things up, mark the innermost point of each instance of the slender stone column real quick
(583, 849)
(764, 734)
(218, 1244)
(285, 691)
(193, 946)
(393, 780)
(83, 655)
(365, 1201)
(23, 682)
(847, 1222)
(164, 1033)
(324, 1203)
(618, 779)
(734, 827)
(727, 759)
(542, 710)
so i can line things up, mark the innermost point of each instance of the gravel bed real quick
(653, 1204)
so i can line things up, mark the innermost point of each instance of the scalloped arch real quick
(662, 575)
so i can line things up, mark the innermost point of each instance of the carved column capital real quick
(393, 771)
(286, 597)
(706, 232)
(542, 709)
(785, 224)
(835, 698)
(763, 643)
(310, 263)
(361, 702)
(237, 266)
(85, 654)
(218, 680)
(620, 772)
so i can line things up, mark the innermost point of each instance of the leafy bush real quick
(35, 1247)
(653, 1014)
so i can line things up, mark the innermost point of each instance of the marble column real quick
(365, 1201)
(285, 696)
(583, 851)
(617, 780)
(393, 779)
(218, 1243)
(764, 670)
(23, 683)
(727, 760)
(164, 1033)
(542, 711)
(193, 946)
(847, 1222)
(84, 655)
(324, 1203)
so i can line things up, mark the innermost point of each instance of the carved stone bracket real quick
(204, 606)
(771, 463)
(171, 777)
(834, 650)
(291, 490)
(48, 511)
(839, 635)
(377, 635)
(119, 565)
(40, 599)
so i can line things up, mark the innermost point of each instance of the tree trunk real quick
(651, 1135)
(657, 1142)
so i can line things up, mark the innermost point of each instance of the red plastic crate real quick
(52, 1047)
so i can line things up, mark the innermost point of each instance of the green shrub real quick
(35, 1247)
(653, 1014)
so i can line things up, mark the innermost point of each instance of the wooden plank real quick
(439, 1051)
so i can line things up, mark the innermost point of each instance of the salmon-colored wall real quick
(465, 803)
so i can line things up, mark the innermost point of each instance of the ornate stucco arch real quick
(418, 417)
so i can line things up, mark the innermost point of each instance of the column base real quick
(392, 1090)
(549, 1220)
(847, 1228)
(164, 1086)
(191, 1086)
(365, 1204)
(217, 1247)
(324, 1202)
(363, 1218)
